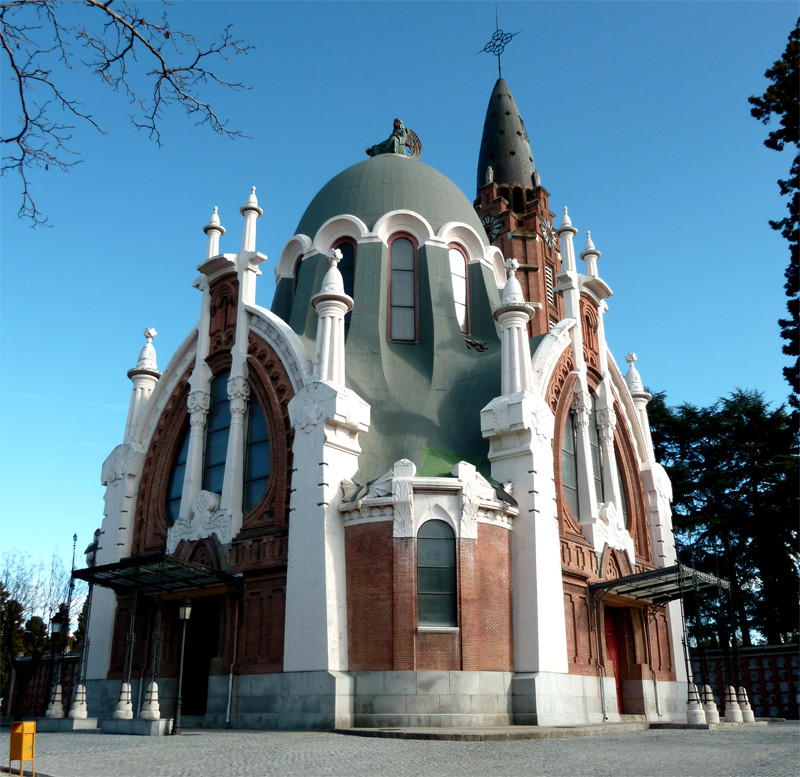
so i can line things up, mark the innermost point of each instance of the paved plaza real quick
(771, 751)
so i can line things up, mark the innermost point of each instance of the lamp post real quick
(55, 708)
(184, 612)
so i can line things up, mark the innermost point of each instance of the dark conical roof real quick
(504, 143)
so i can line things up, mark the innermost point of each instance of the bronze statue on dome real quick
(400, 139)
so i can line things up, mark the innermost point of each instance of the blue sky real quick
(638, 118)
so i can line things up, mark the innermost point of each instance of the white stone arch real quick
(286, 344)
(494, 258)
(466, 237)
(176, 368)
(404, 221)
(548, 353)
(437, 512)
(338, 227)
(293, 251)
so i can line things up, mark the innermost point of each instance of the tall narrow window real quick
(569, 466)
(458, 274)
(256, 457)
(597, 454)
(176, 476)
(436, 575)
(403, 261)
(218, 426)
(622, 498)
(347, 267)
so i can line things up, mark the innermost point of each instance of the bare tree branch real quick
(121, 47)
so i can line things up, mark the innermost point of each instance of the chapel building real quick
(402, 495)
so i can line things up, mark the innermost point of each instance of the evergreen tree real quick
(735, 501)
(782, 99)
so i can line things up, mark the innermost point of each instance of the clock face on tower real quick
(492, 225)
(548, 233)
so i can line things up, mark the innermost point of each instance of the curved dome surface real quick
(388, 182)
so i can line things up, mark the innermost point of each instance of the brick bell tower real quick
(513, 207)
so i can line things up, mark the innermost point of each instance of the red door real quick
(613, 654)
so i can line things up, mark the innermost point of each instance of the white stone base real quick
(64, 725)
(138, 727)
(549, 699)
(432, 699)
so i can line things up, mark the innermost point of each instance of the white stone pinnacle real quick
(511, 265)
(147, 356)
(334, 257)
(589, 243)
(251, 204)
(565, 220)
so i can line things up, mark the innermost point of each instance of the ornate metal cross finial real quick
(334, 256)
(511, 265)
(498, 43)
(150, 333)
(630, 358)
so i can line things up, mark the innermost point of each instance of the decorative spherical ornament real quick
(548, 233)
(492, 225)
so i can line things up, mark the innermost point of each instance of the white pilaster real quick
(569, 287)
(327, 419)
(519, 427)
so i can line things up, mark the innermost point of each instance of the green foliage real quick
(782, 99)
(734, 471)
(35, 640)
(10, 636)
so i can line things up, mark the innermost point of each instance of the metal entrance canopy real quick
(660, 585)
(157, 574)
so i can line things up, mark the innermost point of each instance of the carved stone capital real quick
(606, 423)
(198, 403)
(238, 394)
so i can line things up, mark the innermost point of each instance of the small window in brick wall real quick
(436, 575)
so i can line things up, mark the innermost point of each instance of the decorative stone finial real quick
(251, 204)
(213, 223)
(589, 243)
(511, 265)
(566, 221)
(147, 356)
(633, 379)
(334, 257)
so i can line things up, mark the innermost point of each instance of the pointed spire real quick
(504, 145)
(590, 255)
(215, 231)
(566, 223)
(332, 283)
(251, 204)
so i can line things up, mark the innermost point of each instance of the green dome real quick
(385, 183)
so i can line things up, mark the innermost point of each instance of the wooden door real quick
(612, 652)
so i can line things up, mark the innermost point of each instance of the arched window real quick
(597, 454)
(403, 290)
(347, 267)
(218, 426)
(436, 575)
(569, 466)
(256, 457)
(519, 202)
(176, 476)
(459, 276)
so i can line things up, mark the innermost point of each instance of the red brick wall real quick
(368, 558)
(382, 603)
(492, 647)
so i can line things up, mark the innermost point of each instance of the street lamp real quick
(184, 612)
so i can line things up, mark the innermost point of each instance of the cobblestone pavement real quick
(772, 751)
